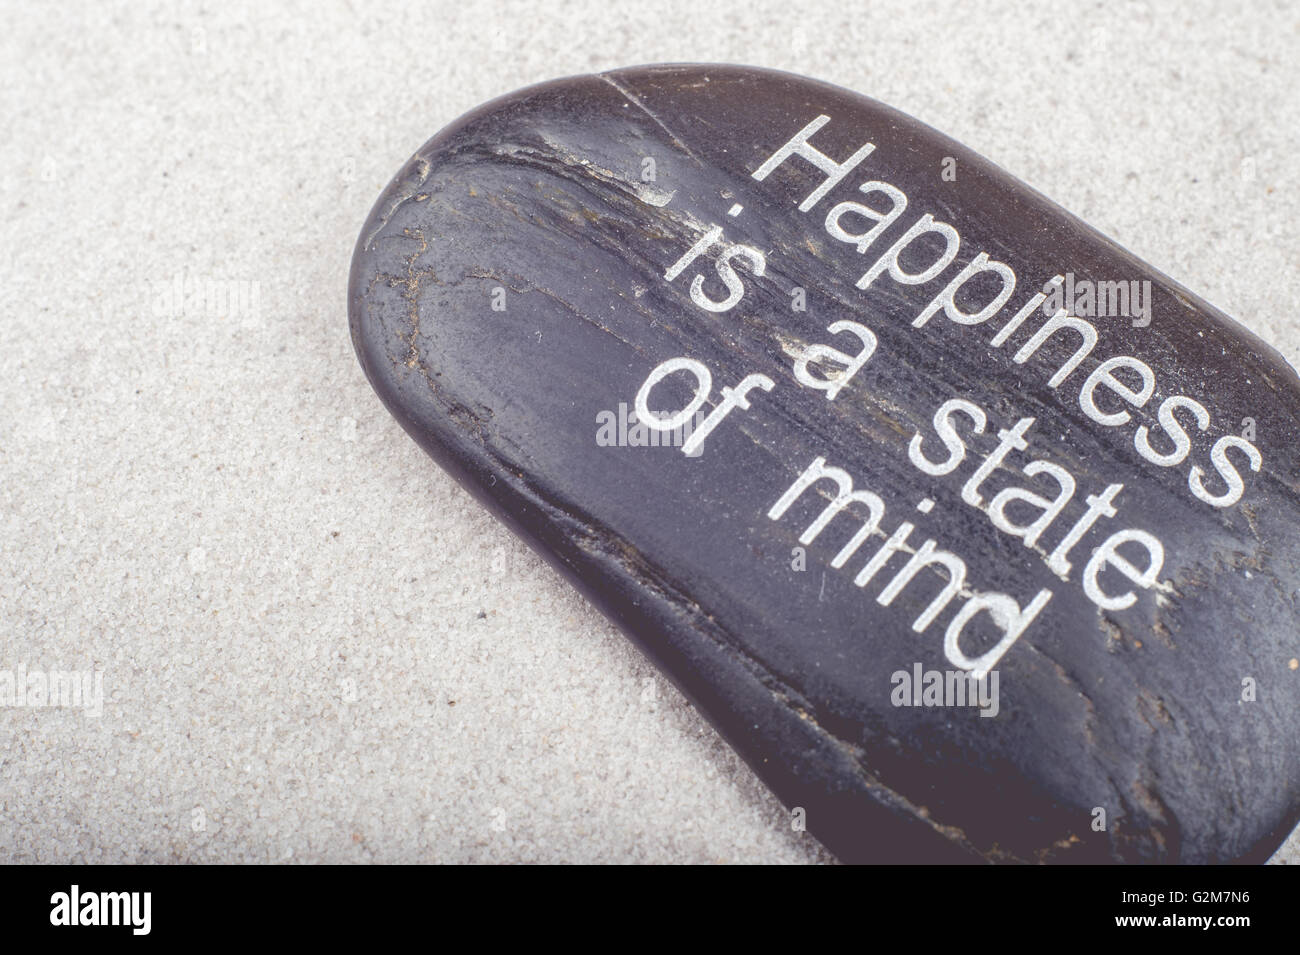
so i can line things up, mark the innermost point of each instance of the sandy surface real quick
(313, 645)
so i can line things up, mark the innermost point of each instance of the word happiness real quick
(1108, 577)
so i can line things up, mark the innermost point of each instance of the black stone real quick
(515, 284)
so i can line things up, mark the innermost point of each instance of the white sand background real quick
(285, 596)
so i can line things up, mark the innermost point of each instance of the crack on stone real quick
(636, 101)
(408, 192)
